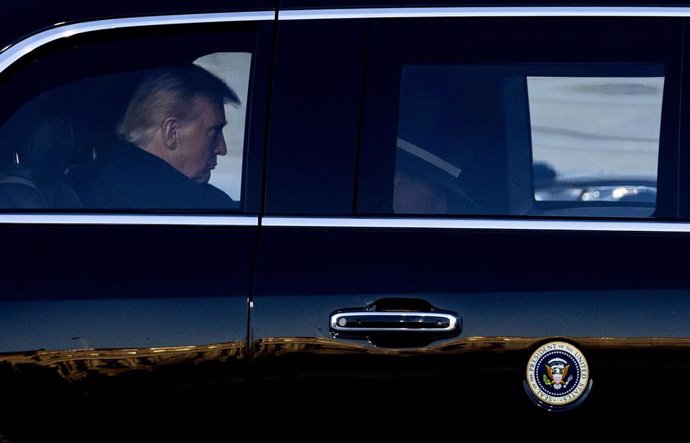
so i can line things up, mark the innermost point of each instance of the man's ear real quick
(171, 132)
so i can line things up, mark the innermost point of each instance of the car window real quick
(95, 137)
(581, 139)
(513, 125)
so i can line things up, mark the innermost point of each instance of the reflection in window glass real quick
(528, 139)
(595, 138)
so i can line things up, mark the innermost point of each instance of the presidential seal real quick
(557, 375)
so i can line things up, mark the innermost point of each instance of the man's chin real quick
(201, 182)
(202, 179)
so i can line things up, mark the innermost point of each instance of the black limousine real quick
(262, 214)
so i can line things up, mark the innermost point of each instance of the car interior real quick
(475, 120)
(52, 142)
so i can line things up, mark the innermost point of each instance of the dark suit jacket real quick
(127, 177)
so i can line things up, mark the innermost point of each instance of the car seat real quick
(36, 146)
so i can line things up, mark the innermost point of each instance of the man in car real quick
(170, 137)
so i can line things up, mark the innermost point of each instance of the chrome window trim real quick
(488, 11)
(477, 224)
(12, 53)
(129, 219)
(357, 223)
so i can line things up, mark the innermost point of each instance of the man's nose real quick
(221, 147)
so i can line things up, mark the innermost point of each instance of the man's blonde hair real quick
(169, 92)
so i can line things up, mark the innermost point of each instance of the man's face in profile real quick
(200, 141)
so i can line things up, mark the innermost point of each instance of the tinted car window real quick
(591, 139)
(512, 124)
(59, 145)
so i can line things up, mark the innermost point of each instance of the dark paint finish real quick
(143, 286)
(629, 314)
(314, 117)
(479, 390)
(478, 385)
(527, 276)
(133, 260)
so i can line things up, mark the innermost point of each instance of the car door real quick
(116, 312)
(503, 187)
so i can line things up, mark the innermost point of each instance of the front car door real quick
(113, 313)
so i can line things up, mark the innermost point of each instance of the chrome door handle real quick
(396, 322)
(362, 322)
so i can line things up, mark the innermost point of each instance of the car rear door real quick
(491, 180)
